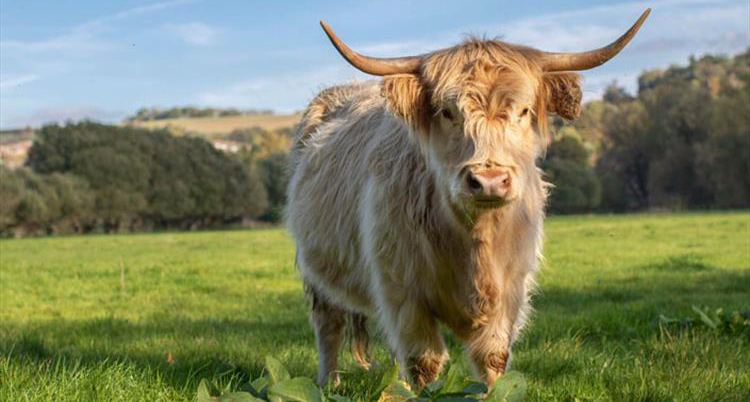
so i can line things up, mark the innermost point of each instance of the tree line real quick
(88, 177)
(681, 142)
(155, 113)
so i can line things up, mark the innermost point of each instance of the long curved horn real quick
(594, 58)
(373, 65)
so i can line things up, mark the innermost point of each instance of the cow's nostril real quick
(474, 184)
(506, 181)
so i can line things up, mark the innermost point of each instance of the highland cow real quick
(416, 199)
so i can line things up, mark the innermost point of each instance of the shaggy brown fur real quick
(383, 220)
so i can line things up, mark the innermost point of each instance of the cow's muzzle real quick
(491, 188)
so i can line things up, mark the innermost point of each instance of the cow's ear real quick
(562, 93)
(408, 99)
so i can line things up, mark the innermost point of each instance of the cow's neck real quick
(489, 239)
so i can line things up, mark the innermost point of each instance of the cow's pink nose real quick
(489, 183)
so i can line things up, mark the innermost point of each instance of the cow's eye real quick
(524, 112)
(447, 114)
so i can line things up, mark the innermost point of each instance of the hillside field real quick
(145, 317)
(216, 126)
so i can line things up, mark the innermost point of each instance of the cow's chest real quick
(463, 295)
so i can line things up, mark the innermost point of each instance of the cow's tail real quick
(360, 338)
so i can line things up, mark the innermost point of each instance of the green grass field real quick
(214, 304)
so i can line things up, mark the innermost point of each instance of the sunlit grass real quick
(214, 304)
(216, 126)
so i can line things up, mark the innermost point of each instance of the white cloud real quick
(73, 43)
(10, 83)
(283, 93)
(675, 30)
(83, 38)
(69, 51)
(697, 25)
(395, 49)
(64, 114)
(145, 9)
(677, 23)
(713, 26)
(193, 33)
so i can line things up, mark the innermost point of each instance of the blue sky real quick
(65, 59)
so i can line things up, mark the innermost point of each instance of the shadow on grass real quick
(625, 308)
(609, 322)
(177, 349)
(679, 263)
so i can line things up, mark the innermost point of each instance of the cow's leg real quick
(489, 349)
(415, 336)
(489, 344)
(360, 339)
(328, 322)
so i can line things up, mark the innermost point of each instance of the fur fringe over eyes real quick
(409, 97)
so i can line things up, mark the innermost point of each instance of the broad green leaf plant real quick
(277, 385)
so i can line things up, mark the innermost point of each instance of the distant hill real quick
(157, 113)
(14, 145)
(16, 135)
(219, 126)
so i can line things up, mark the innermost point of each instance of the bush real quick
(33, 203)
(576, 187)
(137, 179)
(683, 141)
(273, 172)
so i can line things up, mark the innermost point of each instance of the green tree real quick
(33, 203)
(576, 187)
(724, 157)
(683, 141)
(144, 178)
(273, 170)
